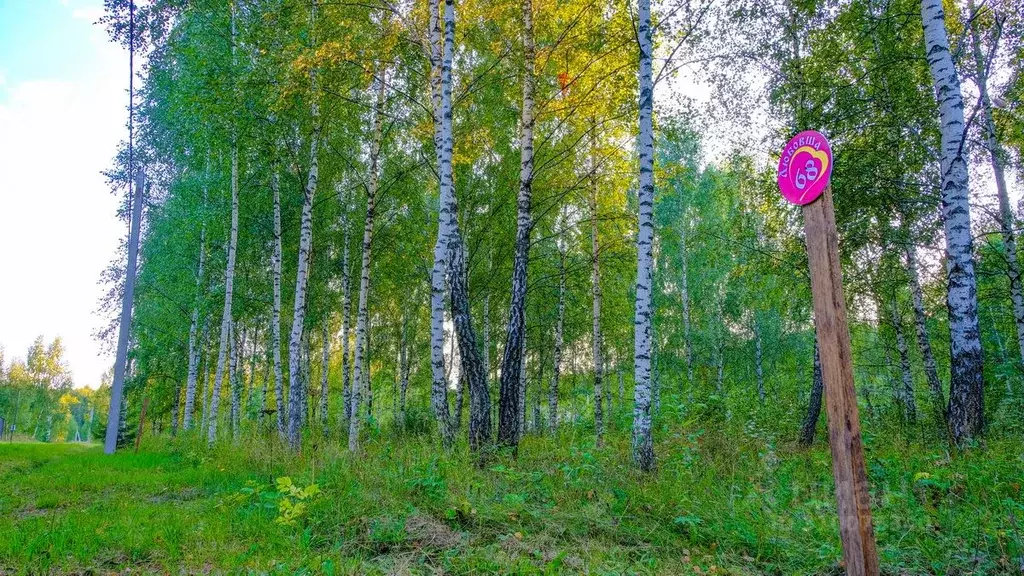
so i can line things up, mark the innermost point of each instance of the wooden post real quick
(855, 527)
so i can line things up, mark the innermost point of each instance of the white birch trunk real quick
(362, 314)
(1007, 222)
(559, 335)
(229, 282)
(642, 442)
(297, 395)
(684, 290)
(924, 342)
(234, 379)
(346, 309)
(275, 324)
(595, 285)
(512, 410)
(325, 368)
(906, 377)
(441, 67)
(521, 387)
(193, 343)
(966, 381)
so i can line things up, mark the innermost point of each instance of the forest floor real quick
(719, 503)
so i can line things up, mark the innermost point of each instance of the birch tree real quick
(966, 416)
(297, 393)
(642, 441)
(361, 365)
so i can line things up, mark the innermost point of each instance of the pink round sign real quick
(805, 167)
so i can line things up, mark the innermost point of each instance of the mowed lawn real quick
(713, 507)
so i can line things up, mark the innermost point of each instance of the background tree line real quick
(429, 218)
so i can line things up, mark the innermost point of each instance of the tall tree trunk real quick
(595, 286)
(251, 376)
(924, 342)
(229, 282)
(267, 365)
(448, 237)
(521, 408)
(487, 335)
(810, 425)
(175, 411)
(235, 379)
(206, 374)
(906, 377)
(362, 313)
(510, 418)
(559, 328)
(346, 310)
(537, 426)
(116, 414)
(275, 326)
(684, 292)
(307, 396)
(193, 343)
(472, 365)
(325, 368)
(229, 274)
(642, 442)
(996, 157)
(449, 250)
(297, 392)
(966, 406)
(403, 367)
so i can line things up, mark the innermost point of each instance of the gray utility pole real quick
(121, 362)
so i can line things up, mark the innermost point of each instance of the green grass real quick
(721, 502)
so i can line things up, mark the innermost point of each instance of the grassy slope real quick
(714, 506)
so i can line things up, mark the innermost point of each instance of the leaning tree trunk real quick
(595, 285)
(193, 343)
(229, 289)
(1006, 218)
(810, 425)
(362, 313)
(966, 389)
(275, 326)
(511, 363)
(297, 393)
(642, 442)
(924, 342)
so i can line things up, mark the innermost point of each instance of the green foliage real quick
(720, 497)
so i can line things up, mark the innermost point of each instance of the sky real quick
(63, 109)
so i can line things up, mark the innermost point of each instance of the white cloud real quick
(57, 224)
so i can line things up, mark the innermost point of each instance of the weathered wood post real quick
(804, 171)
